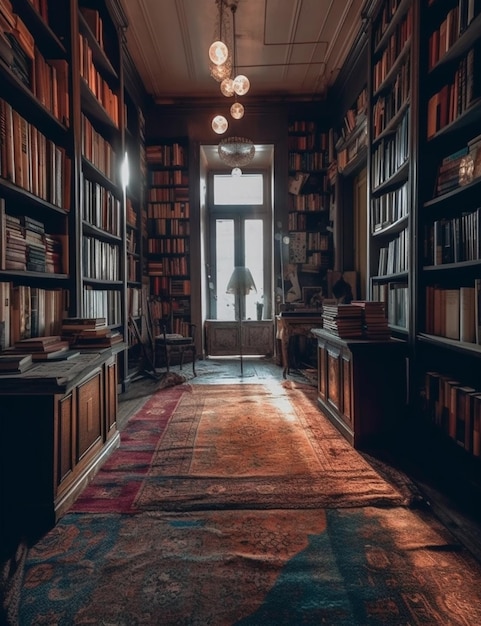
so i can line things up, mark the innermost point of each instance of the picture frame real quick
(312, 297)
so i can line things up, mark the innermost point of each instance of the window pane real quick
(236, 190)
(254, 260)
(224, 237)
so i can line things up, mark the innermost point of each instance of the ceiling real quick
(289, 49)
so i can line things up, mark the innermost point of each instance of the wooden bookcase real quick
(168, 233)
(449, 226)
(36, 203)
(392, 109)
(309, 227)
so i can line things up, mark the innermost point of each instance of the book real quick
(64, 354)
(15, 362)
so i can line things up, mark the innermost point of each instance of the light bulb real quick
(236, 172)
(218, 52)
(220, 72)
(219, 124)
(241, 85)
(237, 110)
(227, 87)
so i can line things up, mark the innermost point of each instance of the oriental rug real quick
(284, 567)
(235, 446)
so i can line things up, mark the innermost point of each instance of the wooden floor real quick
(456, 508)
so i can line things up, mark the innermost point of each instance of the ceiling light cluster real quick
(223, 68)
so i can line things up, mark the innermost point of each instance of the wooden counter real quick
(361, 385)
(57, 426)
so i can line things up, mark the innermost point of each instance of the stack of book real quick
(16, 244)
(375, 324)
(40, 348)
(14, 363)
(343, 320)
(35, 243)
(89, 332)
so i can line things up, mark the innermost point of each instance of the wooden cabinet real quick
(361, 385)
(222, 338)
(55, 431)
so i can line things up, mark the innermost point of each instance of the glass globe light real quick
(219, 124)
(218, 52)
(237, 110)
(241, 85)
(236, 171)
(227, 87)
(220, 72)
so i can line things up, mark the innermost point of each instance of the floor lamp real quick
(240, 284)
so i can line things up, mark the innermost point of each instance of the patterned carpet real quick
(241, 504)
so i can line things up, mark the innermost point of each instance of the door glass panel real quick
(224, 238)
(254, 260)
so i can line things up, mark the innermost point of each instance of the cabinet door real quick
(89, 414)
(322, 371)
(64, 437)
(110, 397)
(334, 368)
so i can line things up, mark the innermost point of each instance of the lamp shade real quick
(241, 281)
(218, 52)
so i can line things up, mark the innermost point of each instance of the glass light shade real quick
(227, 87)
(237, 110)
(218, 52)
(219, 124)
(236, 172)
(221, 72)
(241, 85)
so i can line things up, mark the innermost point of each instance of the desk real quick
(290, 325)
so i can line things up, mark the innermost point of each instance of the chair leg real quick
(193, 361)
(167, 359)
(181, 358)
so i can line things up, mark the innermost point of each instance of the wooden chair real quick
(166, 344)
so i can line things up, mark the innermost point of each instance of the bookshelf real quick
(35, 159)
(309, 226)
(390, 164)
(168, 233)
(448, 338)
(351, 141)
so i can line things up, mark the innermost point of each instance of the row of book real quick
(306, 202)
(167, 287)
(31, 161)
(167, 177)
(168, 194)
(389, 208)
(453, 240)
(168, 267)
(101, 208)
(387, 106)
(98, 150)
(394, 258)
(457, 19)
(105, 303)
(27, 311)
(100, 259)
(173, 155)
(391, 153)
(168, 210)
(171, 245)
(359, 319)
(25, 246)
(455, 408)
(454, 98)
(397, 41)
(395, 297)
(96, 83)
(454, 313)
(308, 160)
(174, 227)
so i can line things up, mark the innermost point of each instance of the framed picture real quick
(312, 297)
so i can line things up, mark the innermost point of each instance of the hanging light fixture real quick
(220, 124)
(237, 110)
(241, 83)
(236, 152)
(220, 61)
(227, 87)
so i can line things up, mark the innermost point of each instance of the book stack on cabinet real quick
(310, 231)
(390, 184)
(168, 234)
(449, 336)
